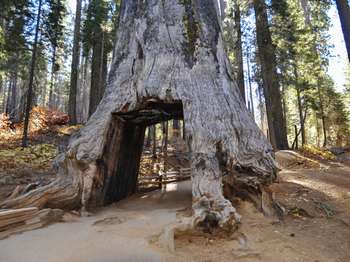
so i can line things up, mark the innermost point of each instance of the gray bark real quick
(169, 63)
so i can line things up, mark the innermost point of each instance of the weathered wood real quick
(21, 220)
(169, 54)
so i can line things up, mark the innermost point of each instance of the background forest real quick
(280, 51)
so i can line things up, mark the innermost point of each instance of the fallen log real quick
(20, 220)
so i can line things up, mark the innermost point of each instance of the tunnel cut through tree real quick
(169, 63)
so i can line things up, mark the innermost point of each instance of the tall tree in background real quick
(233, 39)
(54, 33)
(14, 18)
(96, 37)
(31, 79)
(266, 52)
(238, 47)
(344, 15)
(72, 103)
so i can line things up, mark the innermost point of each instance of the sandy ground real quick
(317, 229)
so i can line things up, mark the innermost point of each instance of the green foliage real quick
(302, 50)
(97, 21)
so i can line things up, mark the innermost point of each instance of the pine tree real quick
(271, 86)
(54, 33)
(31, 80)
(72, 103)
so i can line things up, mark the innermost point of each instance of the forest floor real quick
(315, 191)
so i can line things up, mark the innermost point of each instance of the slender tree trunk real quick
(238, 48)
(344, 15)
(9, 95)
(4, 98)
(165, 127)
(154, 139)
(148, 138)
(72, 103)
(14, 95)
(250, 85)
(96, 77)
(269, 71)
(2, 92)
(318, 143)
(176, 128)
(104, 66)
(301, 120)
(300, 106)
(52, 93)
(86, 90)
(323, 117)
(284, 105)
(306, 11)
(31, 80)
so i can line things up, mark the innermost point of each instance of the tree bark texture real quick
(266, 52)
(169, 63)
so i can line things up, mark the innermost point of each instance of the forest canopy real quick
(75, 49)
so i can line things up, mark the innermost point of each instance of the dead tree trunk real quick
(169, 63)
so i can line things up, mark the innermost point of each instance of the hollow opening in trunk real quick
(125, 143)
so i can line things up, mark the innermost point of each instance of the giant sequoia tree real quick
(169, 63)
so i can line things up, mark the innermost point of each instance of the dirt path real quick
(117, 233)
(318, 230)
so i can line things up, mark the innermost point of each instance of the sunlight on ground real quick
(170, 187)
(326, 188)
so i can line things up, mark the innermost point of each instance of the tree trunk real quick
(238, 49)
(269, 72)
(149, 137)
(169, 63)
(176, 128)
(9, 95)
(96, 70)
(323, 117)
(306, 11)
(52, 93)
(104, 67)
(165, 126)
(344, 15)
(300, 106)
(154, 138)
(31, 80)
(72, 103)
(14, 95)
(250, 85)
(4, 98)
(2, 93)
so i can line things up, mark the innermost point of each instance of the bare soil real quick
(316, 195)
